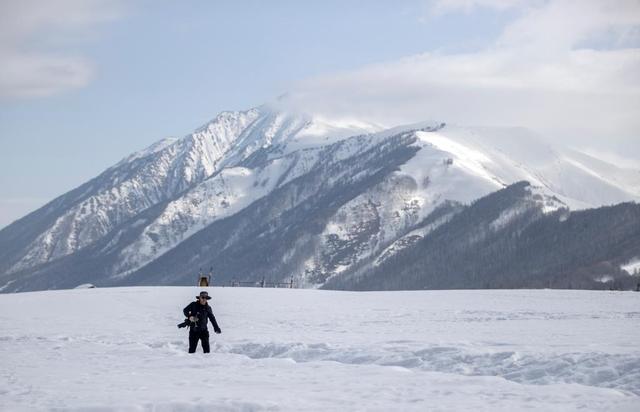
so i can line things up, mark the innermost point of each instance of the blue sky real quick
(89, 82)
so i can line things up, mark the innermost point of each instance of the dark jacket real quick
(203, 313)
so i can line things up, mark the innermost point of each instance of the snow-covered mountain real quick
(339, 191)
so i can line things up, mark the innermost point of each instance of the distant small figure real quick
(198, 314)
(638, 287)
(204, 281)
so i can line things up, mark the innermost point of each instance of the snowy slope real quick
(295, 350)
(135, 184)
(460, 165)
(166, 169)
(223, 195)
(510, 238)
(502, 156)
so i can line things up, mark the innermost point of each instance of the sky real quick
(84, 83)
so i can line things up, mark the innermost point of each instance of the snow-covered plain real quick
(288, 349)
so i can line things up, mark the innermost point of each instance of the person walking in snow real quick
(199, 313)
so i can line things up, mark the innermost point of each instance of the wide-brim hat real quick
(203, 294)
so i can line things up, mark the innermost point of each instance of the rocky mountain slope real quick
(507, 240)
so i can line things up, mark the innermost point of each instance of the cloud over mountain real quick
(568, 68)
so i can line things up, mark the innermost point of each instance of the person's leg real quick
(193, 341)
(204, 337)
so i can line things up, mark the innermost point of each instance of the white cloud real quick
(36, 75)
(545, 72)
(593, 88)
(566, 24)
(33, 35)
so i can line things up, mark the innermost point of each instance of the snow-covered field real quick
(281, 349)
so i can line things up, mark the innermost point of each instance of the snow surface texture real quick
(283, 349)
